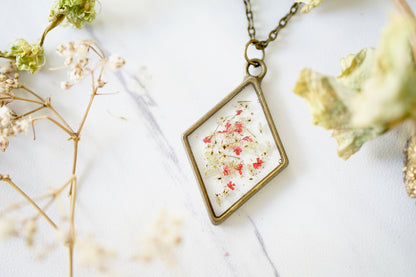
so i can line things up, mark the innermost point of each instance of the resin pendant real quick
(235, 148)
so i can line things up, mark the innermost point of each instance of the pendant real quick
(235, 149)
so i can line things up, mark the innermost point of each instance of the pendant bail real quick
(256, 63)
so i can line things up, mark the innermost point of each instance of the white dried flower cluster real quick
(115, 62)
(165, 234)
(12, 227)
(7, 85)
(76, 58)
(8, 228)
(8, 67)
(93, 255)
(29, 231)
(10, 127)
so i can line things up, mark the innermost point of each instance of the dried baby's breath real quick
(82, 58)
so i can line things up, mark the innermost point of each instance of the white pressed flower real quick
(66, 85)
(7, 228)
(115, 62)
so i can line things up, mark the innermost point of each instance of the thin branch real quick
(33, 93)
(18, 205)
(27, 100)
(55, 122)
(7, 179)
(31, 112)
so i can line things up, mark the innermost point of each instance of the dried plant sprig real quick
(30, 57)
(80, 65)
(75, 12)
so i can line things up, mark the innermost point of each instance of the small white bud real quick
(115, 62)
(66, 85)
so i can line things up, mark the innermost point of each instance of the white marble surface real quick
(320, 217)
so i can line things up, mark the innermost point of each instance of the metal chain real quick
(262, 44)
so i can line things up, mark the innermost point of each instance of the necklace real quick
(235, 149)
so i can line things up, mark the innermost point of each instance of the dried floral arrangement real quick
(83, 60)
(236, 149)
(375, 92)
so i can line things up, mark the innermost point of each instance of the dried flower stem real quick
(51, 26)
(54, 121)
(52, 196)
(47, 104)
(27, 100)
(7, 179)
(78, 74)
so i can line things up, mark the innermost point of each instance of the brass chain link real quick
(262, 44)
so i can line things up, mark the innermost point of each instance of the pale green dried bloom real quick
(375, 90)
(328, 100)
(76, 12)
(309, 4)
(389, 94)
(28, 56)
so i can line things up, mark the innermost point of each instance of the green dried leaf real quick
(28, 56)
(76, 12)
(375, 90)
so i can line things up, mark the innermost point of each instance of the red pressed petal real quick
(237, 150)
(207, 139)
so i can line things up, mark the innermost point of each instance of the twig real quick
(31, 112)
(54, 121)
(27, 100)
(7, 179)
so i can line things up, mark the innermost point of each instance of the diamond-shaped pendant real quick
(235, 149)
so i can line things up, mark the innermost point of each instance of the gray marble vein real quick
(263, 247)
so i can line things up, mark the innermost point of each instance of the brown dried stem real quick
(7, 179)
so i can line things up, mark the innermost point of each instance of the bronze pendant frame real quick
(255, 81)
